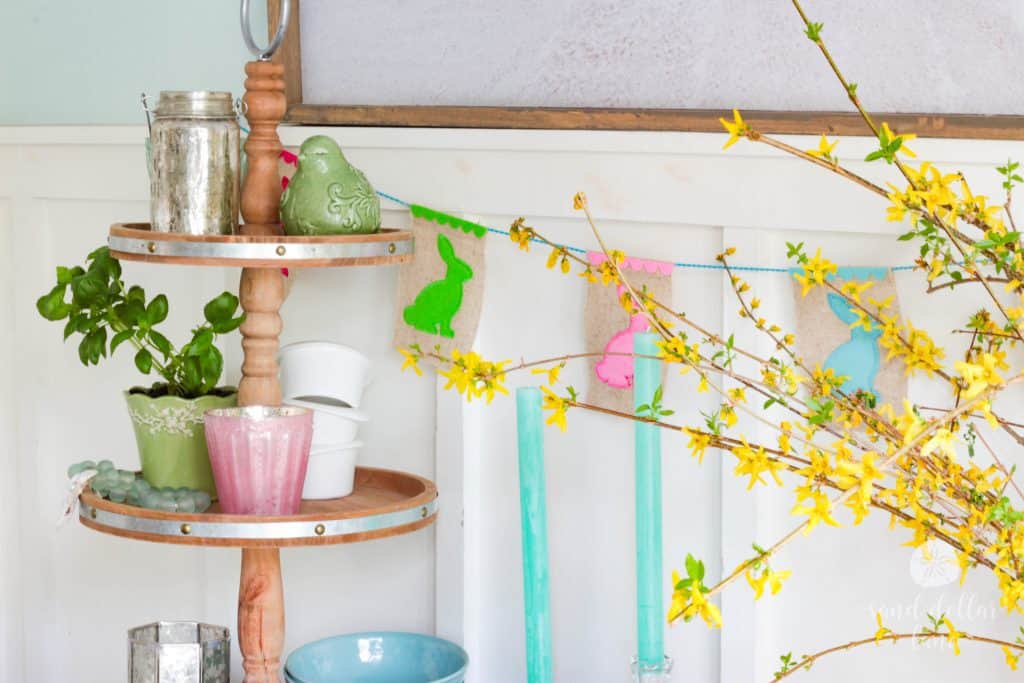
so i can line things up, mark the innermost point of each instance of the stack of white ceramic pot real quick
(329, 379)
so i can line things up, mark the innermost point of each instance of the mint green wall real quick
(86, 61)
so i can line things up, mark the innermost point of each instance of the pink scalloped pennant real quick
(646, 265)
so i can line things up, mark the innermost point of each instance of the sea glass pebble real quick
(125, 486)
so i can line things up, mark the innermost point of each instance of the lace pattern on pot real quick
(169, 420)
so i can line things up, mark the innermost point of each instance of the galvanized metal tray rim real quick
(135, 241)
(321, 527)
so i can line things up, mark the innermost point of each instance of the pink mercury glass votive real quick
(259, 456)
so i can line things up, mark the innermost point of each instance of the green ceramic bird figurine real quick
(327, 195)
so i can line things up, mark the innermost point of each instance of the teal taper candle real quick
(647, 447)
(536, 583)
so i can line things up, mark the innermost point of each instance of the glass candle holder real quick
(259, 456)
(179, 652)
(651, 673)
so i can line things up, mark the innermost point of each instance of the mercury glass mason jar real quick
(194, 163)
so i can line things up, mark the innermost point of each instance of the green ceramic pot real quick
(172, 442)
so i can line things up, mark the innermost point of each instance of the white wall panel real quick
(67, 597)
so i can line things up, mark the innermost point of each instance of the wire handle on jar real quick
(144, 98)
(265, 54)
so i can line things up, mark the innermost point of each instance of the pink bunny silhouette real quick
(617, 370)
(616, 366)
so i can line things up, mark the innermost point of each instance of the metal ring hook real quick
(282, 26)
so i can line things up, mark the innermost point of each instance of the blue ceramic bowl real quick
(377, 657)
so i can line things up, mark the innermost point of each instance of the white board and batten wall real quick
(67, 596)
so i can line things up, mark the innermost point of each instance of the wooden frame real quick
(1001, 127)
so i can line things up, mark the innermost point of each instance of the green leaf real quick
(72, 326)
(211, 365)
(200, 342)
(89, 289)
(666, 413)
(694, 568)
(161, 342)
(228, 326)
(100, 261)
(136, 293)
(192, 375)
(64, 275)
(131, 313)
(144, 361)
(221, 308)
(874, 156)
(52, 305)
(83, 351)
(92, 346)
(120, 338)
(156, 311)
(813, 31)
(99, 348)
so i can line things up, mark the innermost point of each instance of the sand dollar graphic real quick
(934, 564)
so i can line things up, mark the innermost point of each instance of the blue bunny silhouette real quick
(857, 359)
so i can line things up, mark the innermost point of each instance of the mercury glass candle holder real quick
(259, 456)
(179, 652)
(651, 673)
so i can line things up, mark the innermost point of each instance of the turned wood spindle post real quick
(261, 292)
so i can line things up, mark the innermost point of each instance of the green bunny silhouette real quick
(327, 195)
(439, 301)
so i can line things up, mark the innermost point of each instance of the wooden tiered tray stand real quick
(384, 503)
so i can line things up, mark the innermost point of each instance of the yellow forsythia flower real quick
(1011, 658)
(882, 630)
(953, 636)
(551, 372)
(411, 361)
(824, 150)
(737, 128)
(558, 406)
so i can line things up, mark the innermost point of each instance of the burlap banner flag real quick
(824, 336)
(441, 292)
(609, 328)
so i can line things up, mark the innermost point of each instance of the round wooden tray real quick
(136, 242)
(384, 503)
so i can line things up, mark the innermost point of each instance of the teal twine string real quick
(677, 264)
